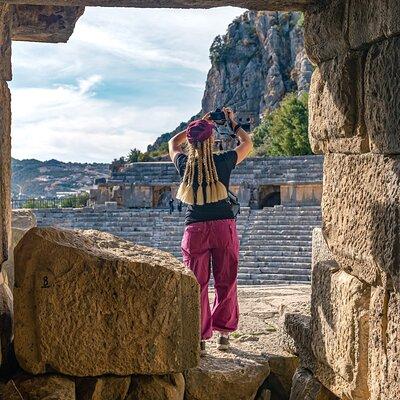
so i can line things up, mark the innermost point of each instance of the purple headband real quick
(199, 131)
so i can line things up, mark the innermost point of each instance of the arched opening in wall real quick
(161, 196)
(269, 196)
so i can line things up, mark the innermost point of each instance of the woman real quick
(210, 235)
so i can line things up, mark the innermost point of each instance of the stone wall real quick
(354, 119)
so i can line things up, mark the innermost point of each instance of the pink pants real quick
(214, 243)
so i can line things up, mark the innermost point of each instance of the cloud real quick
(69, 123)
(125, 77)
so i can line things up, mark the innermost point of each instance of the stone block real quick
(382, 102)
(336, 123)
(366, 186)
(102, 388)
(6, 12)
(165, 387)
(48, 387)
(5, 170)
(225, 379)
(44, 23)
(371, 21)
(325, 31)
(384, 351)
(124, 309)
(339, 331)
(296, 338)
(306, 387)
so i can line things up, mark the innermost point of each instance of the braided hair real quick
(200, 158)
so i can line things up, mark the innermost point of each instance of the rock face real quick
(123, 308)
(256, 63)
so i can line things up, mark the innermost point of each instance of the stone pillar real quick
(355, 122)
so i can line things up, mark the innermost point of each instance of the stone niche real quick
(88, 303)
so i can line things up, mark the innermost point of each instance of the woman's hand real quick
(230, 116)
(207, 117)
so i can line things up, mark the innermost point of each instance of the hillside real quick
(35, 178)
(254, 65)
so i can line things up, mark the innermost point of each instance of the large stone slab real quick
(384, 351)
(5, 42)
(360, 210)
(225, 379)
(306, 387)
(165, 387)
(339, 331)
(5, 170)
(40, 23)
(382, 102)
(325, 31)
(124, 309)
(273, 5)
(336, 123)
(370, 21)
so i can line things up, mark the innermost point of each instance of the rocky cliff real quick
(254, 65)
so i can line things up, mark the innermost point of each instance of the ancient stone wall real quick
(354, 120)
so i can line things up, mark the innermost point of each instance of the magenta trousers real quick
(214, 244)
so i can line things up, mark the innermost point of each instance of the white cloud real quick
(88, 100)
(68, 123)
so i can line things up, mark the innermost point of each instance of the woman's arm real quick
(246, 144)
(174, 144)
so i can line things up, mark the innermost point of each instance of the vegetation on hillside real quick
(284, 131)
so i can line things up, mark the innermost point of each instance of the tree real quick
(134, 155)
(284, 131)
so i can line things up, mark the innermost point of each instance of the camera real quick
(218, 116)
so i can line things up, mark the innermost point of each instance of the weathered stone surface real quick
(22, 221)
(6, 323)
(306, 387)
(371, 21)
(296, 338)
(273, 5)
(40, 388)
(5, 42)
(382, 103)
(336, 122)
(40, 23)
(124, 308)
(384, 351)
(325, 31)
(339, 331)
(360, 210)
(166, 387)
(225, 379)
(103, 388)
(5, 170)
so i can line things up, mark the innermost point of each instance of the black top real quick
(224, 163)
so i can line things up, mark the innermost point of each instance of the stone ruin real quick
(348, 348)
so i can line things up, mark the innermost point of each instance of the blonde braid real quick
(207, 171)
(200, 194)
(220, 190)
(185, 192)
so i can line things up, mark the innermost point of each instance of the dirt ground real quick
(261, 308)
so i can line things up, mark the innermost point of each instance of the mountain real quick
(34, 178)
(254, 65)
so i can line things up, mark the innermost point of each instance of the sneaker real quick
(223, 342)
(203, 350)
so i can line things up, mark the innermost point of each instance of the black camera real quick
(218, 116)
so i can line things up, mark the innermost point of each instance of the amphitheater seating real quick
(275, 242)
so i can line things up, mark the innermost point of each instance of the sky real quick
(125, 77)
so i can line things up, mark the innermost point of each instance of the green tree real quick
(284, 131)
(133, 155)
